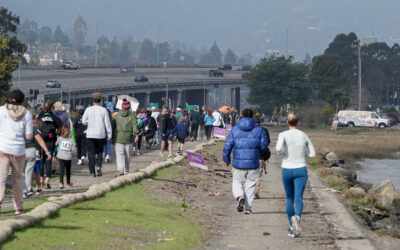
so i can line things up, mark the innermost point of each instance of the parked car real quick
(225, 67)
(394, 117)
(53, 84)
(126, 69)
(245, 76)
(353, 118)
(141, 78)
(215, 73)
(70, 66)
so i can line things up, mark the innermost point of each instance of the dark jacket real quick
(181, 130)
(167, 123)
(195, 117)
(248, 142)
(79, 127)
(63, 117)
(152, 125)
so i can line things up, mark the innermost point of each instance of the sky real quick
(246, 26)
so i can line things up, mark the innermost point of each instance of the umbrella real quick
(224, 109)
(134, 102)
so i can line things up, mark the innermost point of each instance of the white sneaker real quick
(296, 225)
(107, 158)
(83, 159)
(79, 162)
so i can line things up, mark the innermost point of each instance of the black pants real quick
(81, 145)
(65, 165)
(193, 131)
(45, 168)
(150, 135)
(208, 130)
(95, 147)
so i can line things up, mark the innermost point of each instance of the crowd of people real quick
(30, 144)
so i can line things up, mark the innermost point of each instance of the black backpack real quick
(48, 127)
(201, 119)
(267, 153)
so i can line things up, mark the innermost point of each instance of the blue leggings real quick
(107, 150)
(294, 182)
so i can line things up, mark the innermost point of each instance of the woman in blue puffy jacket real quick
(208, 122)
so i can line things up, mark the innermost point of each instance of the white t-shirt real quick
(12, 140)
(98, 122)
(218, 119)
(293, 143)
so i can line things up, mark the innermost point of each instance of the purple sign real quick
(228, 126)
(196, 160)
(219, 132)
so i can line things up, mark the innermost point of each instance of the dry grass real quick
(358, 144)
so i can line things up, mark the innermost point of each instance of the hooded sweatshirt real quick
(16, 126)
(63, 117)
(248, 142)
(124, 125)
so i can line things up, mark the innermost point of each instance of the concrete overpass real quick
(181, 85)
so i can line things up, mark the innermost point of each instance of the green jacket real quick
(124, 125)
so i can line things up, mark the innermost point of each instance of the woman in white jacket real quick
(219, 121)
(293, 144)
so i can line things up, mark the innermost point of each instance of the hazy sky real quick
(254, 26)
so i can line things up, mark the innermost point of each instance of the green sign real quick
(154, 104)
(191, 107)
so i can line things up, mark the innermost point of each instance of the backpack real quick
(140, 122)
(48, 127)
(267, 153)
(201, 119)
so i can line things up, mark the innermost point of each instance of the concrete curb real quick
(54, 204)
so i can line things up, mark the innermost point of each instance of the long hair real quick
(209, 112)
(48, 106)
(65, 132)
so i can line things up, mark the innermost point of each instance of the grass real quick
(125, 218)
(356, 144)
(29, 205)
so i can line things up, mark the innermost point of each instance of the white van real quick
(353, 118)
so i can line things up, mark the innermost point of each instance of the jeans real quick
(107, 150)
(247, 177)
(65, 165)
(95, 147)
(30, 162)
(294, 182)
(81, 146)
(123, 154)
(193, 131)
(208, 131)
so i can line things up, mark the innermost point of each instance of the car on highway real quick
(244, 68)
(53, 84)
(225, 67)
(69, 66)
(141, 78)
(126, 69)
(215, 73)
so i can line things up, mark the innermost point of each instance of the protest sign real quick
(219, 132)
(196, 160)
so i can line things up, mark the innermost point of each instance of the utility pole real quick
(158, 44)
(359, 74)
(97, 46)
(287, 43)
(167, 94)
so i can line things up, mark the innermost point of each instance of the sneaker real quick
(24, 196)
(169, 155)
(296, 225)
(257, 196)
(138, 152)
(30, 192)
(107, 158)
(19, 211)
(99, 173)
(192, 139)
(240, 204)
(70, 185)
(79, 162)
(162, 154)
(121, 173)
(248, 211)
(93, 174)
(47, 186)
(61, 186)
(180, 152)
(38, 190)
(290, 232)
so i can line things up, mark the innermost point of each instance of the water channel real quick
(374, 171)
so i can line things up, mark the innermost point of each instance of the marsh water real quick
(374, 171)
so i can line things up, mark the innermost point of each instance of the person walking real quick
(124, 126)
(168, 127)
(248, 142)
(150, 130)
(50, 125)
(194, 127)
(66, 145)
(292, 144)
(201, 124)
(156, 115)
(263, 158)
(80, 136)
(98, 131)
(181, 132)
(16, 127)
(60, 113)
(208, 123)
(218, 120)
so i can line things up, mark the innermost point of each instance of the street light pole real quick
(97, 46)
(359, 74)
(167, 94)
(158, 43)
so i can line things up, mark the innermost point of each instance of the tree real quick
(214, 56)
(126, 50)
(80, 31)
(147, 52)
(8, 63)
(230, 57)
(114, 51)
(307, 59)
(277, 81)
(245, 59)
(165, 52)
(45, 35)
(28, 32)
(329, 79)
(60, 37)
(178, 55)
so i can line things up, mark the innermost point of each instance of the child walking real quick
(181, 132)
(66, 145)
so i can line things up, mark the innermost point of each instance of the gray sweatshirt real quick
(98, 122)
(65, 148)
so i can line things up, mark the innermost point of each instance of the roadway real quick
(104, 78)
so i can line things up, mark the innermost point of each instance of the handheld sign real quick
(219, 132)
(196, 160)
(228, 126)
